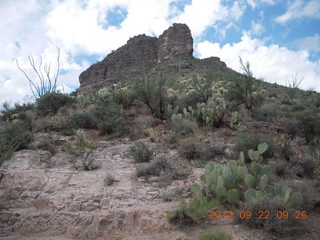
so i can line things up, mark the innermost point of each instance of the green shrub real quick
(84, 151)
(51, 102)
(141, 153)
(190, 148)
(191, 99)
(14, 136)
(268, 112)
(56, 123)
(242, 89)
(124, 96)
(112, 124)
(309, 124)
(152, 92)
(27, 119)
(246, 141)
(153, 168)
(7, 151)
(15, 132)
(215, 235)
(84, 119)
(184, 127)
(310, 195)
(192, 212)
(159, 167)
(7, 111)
(271, 205)
(109, 180)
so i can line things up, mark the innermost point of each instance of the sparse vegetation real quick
(246, 141)
(141, 153)
(51, 102)
(273, 205)
(207, 117)
(109, 180)
(215, 235)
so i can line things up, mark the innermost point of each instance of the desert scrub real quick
(189, 148)
(113, 125)
(246, 141)
(56, 123)
(274, 225)
(83, 119)
(215, 235)
(7, 151)
(309, 124)
(83, 150)
(183, 127)
(110, 180)
(152, 91)
(161, 168)
(172, 194)
(15, 132)
(141, 153)
(14, 136)
(124, 95)
(191, 213)
(7, 112)
(51, 102)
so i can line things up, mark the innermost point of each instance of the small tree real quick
(152, 91)
(242, 89)
(203, 86)
(46, 83)
(293, 84)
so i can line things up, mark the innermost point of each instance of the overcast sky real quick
(280, 38)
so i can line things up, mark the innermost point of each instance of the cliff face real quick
(140, 54)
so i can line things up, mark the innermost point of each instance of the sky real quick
(280, 38)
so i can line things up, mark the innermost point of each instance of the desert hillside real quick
(157, 144)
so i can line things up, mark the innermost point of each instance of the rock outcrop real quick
(141, 54)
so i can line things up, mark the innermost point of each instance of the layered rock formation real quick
(143, 53)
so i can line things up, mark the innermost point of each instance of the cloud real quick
(273, 63)
(256, 28)
(78, 28)
(201, 14)
(254, 3)
(300, 9)
(310, 44)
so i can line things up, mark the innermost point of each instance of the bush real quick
(309, 124)
(112, 124)
(56, 123)
(184, 127)
(192, 212)
(242, 88)
(268, 112)
(7, 151)
(51, 102)
(246, 141)
(83, 120)
(13, 137)
(141, 153)
(124, 96)
(271, 205)
(190, 148)
(153, 168)
(215, 235)
(309, 166)
(7, 111)
(16, 132)
(109, 180)
(152, 92)
(311, 196)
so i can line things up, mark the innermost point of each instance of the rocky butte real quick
(172, 51)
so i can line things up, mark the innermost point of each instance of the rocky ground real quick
(45, 196)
